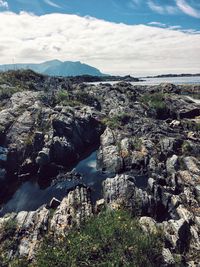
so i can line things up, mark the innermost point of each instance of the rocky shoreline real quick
(148, 138)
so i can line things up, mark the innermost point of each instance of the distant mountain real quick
(56, 68)
(174, 75)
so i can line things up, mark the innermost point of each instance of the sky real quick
(137, 37)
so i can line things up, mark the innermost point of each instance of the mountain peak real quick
(53, 61)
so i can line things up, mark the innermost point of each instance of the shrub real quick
(109, 239)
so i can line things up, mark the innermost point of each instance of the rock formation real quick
(149, 144)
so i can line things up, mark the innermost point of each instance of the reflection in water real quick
(30, 196)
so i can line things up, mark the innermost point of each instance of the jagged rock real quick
(192, 164)
(121, 191)
(118, 189)
(73, 209)
(177, 233)
(139, 161)
(30, 228)
(168, 259)
(110, 160)
(100, 205)
(169, 145)
(168, 88)
(54, 203)
(148, 224)
(72, 136)
(107, 138)
(172, 164)
(151, 182)
(197, 192)
(175, 123)
(108, 156)
(42, 138)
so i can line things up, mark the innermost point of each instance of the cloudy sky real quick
(137, 37)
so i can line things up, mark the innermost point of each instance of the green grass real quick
(87, 99)
(77, 99)
(9, 229)
(109, 239)
(136, 143)
(6, 93)
(155, 101)
(186, 148)
(192, 125)
(8, 241)
(66, 98)
(116, 121)
(62, 96)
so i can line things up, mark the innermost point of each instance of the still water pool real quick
(29, 196)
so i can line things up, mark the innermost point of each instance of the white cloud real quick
(51, 3)
(3, 4)
(187, 9)
(170, 9)
(175, 27)
(164, 9)
(156, 23)
(163, 25)
(111, 47)
(157, 8)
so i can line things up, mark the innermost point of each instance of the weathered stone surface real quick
(172, 164)
(192, 164)
(41, 136)
(32, 226)
(74, 209)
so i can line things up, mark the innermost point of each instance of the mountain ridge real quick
(56, 68)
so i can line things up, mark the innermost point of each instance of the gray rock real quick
(148, 224)
(168, 259)
(172, 164)
(73, 209)
(192, 164)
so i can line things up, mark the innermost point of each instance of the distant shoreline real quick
(173, 75)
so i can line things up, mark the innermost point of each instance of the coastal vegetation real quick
(112, 238)
(155, 101)
(116, 121)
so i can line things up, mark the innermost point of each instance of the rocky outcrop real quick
(149, 148)
(37, 139)
(73, 210)
(31, 227)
